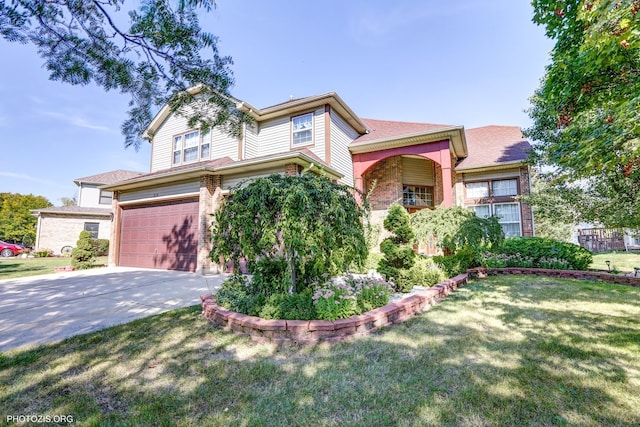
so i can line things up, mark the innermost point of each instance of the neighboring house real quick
(58, 228)
(597, 238)
(162, 219)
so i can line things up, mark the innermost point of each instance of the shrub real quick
(370, 292)
(82, 256)
(237, 294)
(298, 306)
(42, 253)
(459, 262)
(100, 247)
(398, 254)
(491, 260)
(335, 300)
(425, 272)
(538, 249)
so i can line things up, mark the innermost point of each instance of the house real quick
(58, 228)
(162, 219)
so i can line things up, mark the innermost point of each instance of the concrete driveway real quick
(51, 307)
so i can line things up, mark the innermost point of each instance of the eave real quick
(455, 134)
(492, 167)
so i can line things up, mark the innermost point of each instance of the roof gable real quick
(493, 146)
(107, 177)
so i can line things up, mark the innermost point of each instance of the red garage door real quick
(163, 236)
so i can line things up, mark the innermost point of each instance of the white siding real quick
(417, 171)
(274, 137)
(341, 137)
(229, 181)
(89, 197)
(167, 190)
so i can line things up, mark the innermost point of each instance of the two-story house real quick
(162, 219)
(58, 228)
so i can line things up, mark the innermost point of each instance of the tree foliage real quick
(456, 227)
(152, 54)
(17, 223)
(585, 111)
(293, 229)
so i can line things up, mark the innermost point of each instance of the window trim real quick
(293, 131)
(492, 195)
(103, 195)
(492, 212)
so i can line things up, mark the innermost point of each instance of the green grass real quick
(620, 261)
(11, 268)
(506, 351)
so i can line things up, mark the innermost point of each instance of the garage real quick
(163, 235)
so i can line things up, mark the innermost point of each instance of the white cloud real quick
(25, 177)
(75, 120)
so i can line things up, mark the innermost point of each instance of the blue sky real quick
(459, 62)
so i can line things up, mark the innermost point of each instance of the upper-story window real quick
(105, 197)
(189, 147)
(417, 196)
(495, 188)
(302, 130)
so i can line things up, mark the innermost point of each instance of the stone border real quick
(564, 274)
(315, 331)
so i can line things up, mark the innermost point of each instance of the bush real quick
(398, 253)
(371, 263)
(298, 306)
(82, 256)
(100, 247)
(459, 262)
(425, 272)
(370, 292)
(42, 253)
(544, 251)
(237, 294)
(335, 300)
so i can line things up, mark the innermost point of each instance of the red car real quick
(9, 249)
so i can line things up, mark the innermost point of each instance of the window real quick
(505, 187)
(477, 190)
(105, 197)
(508, 215)
(187, 147)
(413, 195)
(302, 130)
(92, 228)
(509, 218)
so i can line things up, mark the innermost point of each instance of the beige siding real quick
(479, 176)
(229, 181)
(57, 231)
(223, 145)
(177, 189)
(417, 171)
(251, 141)
(318, 147)
(341, 137)
(89, 197)
(162, 152)
(274, 137)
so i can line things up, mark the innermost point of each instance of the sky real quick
(459, 62)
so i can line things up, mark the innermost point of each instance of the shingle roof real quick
(493, 145)
(383, 129)
(108, 177)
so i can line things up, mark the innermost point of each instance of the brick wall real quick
(527, 213)
(387, 175)
(57, 231)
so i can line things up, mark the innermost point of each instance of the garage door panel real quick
(160, 236)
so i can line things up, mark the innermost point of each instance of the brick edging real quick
(565, 274)
(314, 331)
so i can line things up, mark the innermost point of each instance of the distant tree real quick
(153, 54)
(585, 113)
(68, 201)
(17, 223)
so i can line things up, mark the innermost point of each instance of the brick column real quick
(525, 209)
(209, 191)
(291, 169)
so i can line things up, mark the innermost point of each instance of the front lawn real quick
(620, 261)
(502, 351)
(11, 268)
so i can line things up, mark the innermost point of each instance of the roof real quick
(385, 129)
(494, 146)
(107, 177)
(75, 210)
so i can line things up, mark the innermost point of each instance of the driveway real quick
(48, 308)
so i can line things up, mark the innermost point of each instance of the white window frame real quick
(105, 195)
(515, 187)
(297, 128)
(179, 151)
(501, 221)
(488, 206)
(476, 184)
